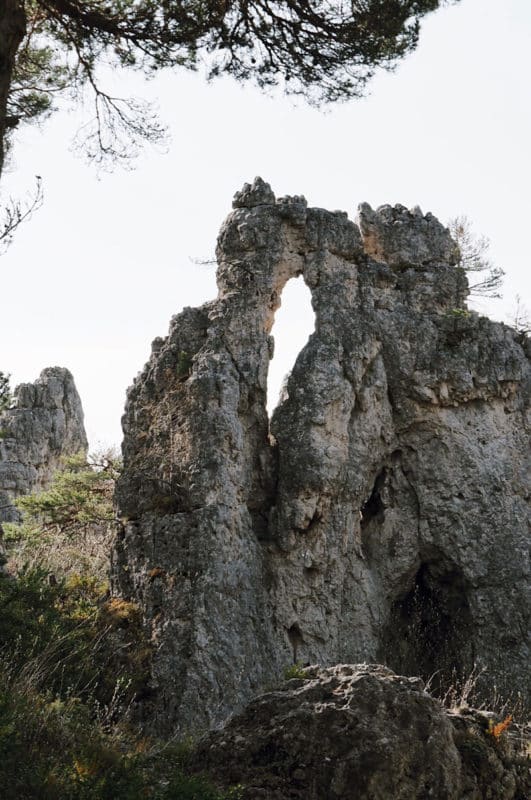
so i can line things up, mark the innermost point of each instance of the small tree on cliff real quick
(324, 51)
(5, 391)
(484, 277)
(79, 496)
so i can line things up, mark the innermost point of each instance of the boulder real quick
(360, 732)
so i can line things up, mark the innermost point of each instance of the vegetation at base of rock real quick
(54, 748)
(72, 659)
(295, 671)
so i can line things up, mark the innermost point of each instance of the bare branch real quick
(16, 212)
(521, 317)
(474, 258)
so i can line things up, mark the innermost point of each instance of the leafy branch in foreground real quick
(323, 51)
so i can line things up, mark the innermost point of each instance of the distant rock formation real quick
(360, 732)
(379, 516)
(44, 424)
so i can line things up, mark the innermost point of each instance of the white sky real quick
(102, 267)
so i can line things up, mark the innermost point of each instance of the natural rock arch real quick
(402, 435)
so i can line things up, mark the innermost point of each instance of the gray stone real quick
(44, 424)
(379, 516)
(360, 732)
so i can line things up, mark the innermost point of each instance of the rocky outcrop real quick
(380, 515)
(44, 423)
(362, 733)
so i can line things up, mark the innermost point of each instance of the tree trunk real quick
(12, 30)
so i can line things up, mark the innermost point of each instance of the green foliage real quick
(457, 313)
(472, 747)
(40, 74)
(323, 51)
(5, 391)
(55, 749)
(192, 787)
(50, 748)
(80, 495)
(295, 671)
(49, 629)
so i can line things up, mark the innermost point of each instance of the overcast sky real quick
(106, 262)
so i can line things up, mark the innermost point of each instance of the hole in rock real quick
(311, 572)
(294, 323)
(430, 629)
(296, 640)
(373, 508)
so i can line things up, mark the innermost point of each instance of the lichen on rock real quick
(379, 515)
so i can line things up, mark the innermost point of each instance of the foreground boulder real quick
(361, 733)
(44, 424)
(380, 515)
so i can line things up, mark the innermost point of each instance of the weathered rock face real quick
(378, 516)
(360, 733)
(44, 424)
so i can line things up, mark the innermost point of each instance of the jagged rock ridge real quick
(44, 424)
(380, 515)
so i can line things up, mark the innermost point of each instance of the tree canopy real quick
(324, 50)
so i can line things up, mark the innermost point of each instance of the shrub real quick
(295, 671)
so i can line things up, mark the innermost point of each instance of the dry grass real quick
(86, 551)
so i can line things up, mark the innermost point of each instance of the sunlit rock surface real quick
(380, 515)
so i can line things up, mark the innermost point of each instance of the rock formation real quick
(44, 424)
(362, 733)
(380, 515)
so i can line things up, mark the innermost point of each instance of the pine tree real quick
(324, 51)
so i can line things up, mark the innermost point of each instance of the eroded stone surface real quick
(379, 516)
(44, 424)
(360, 732)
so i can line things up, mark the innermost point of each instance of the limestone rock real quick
(44, 424)
(359, 732)
(379, 516)
(401, 238)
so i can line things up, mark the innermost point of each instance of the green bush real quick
(295, 671)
